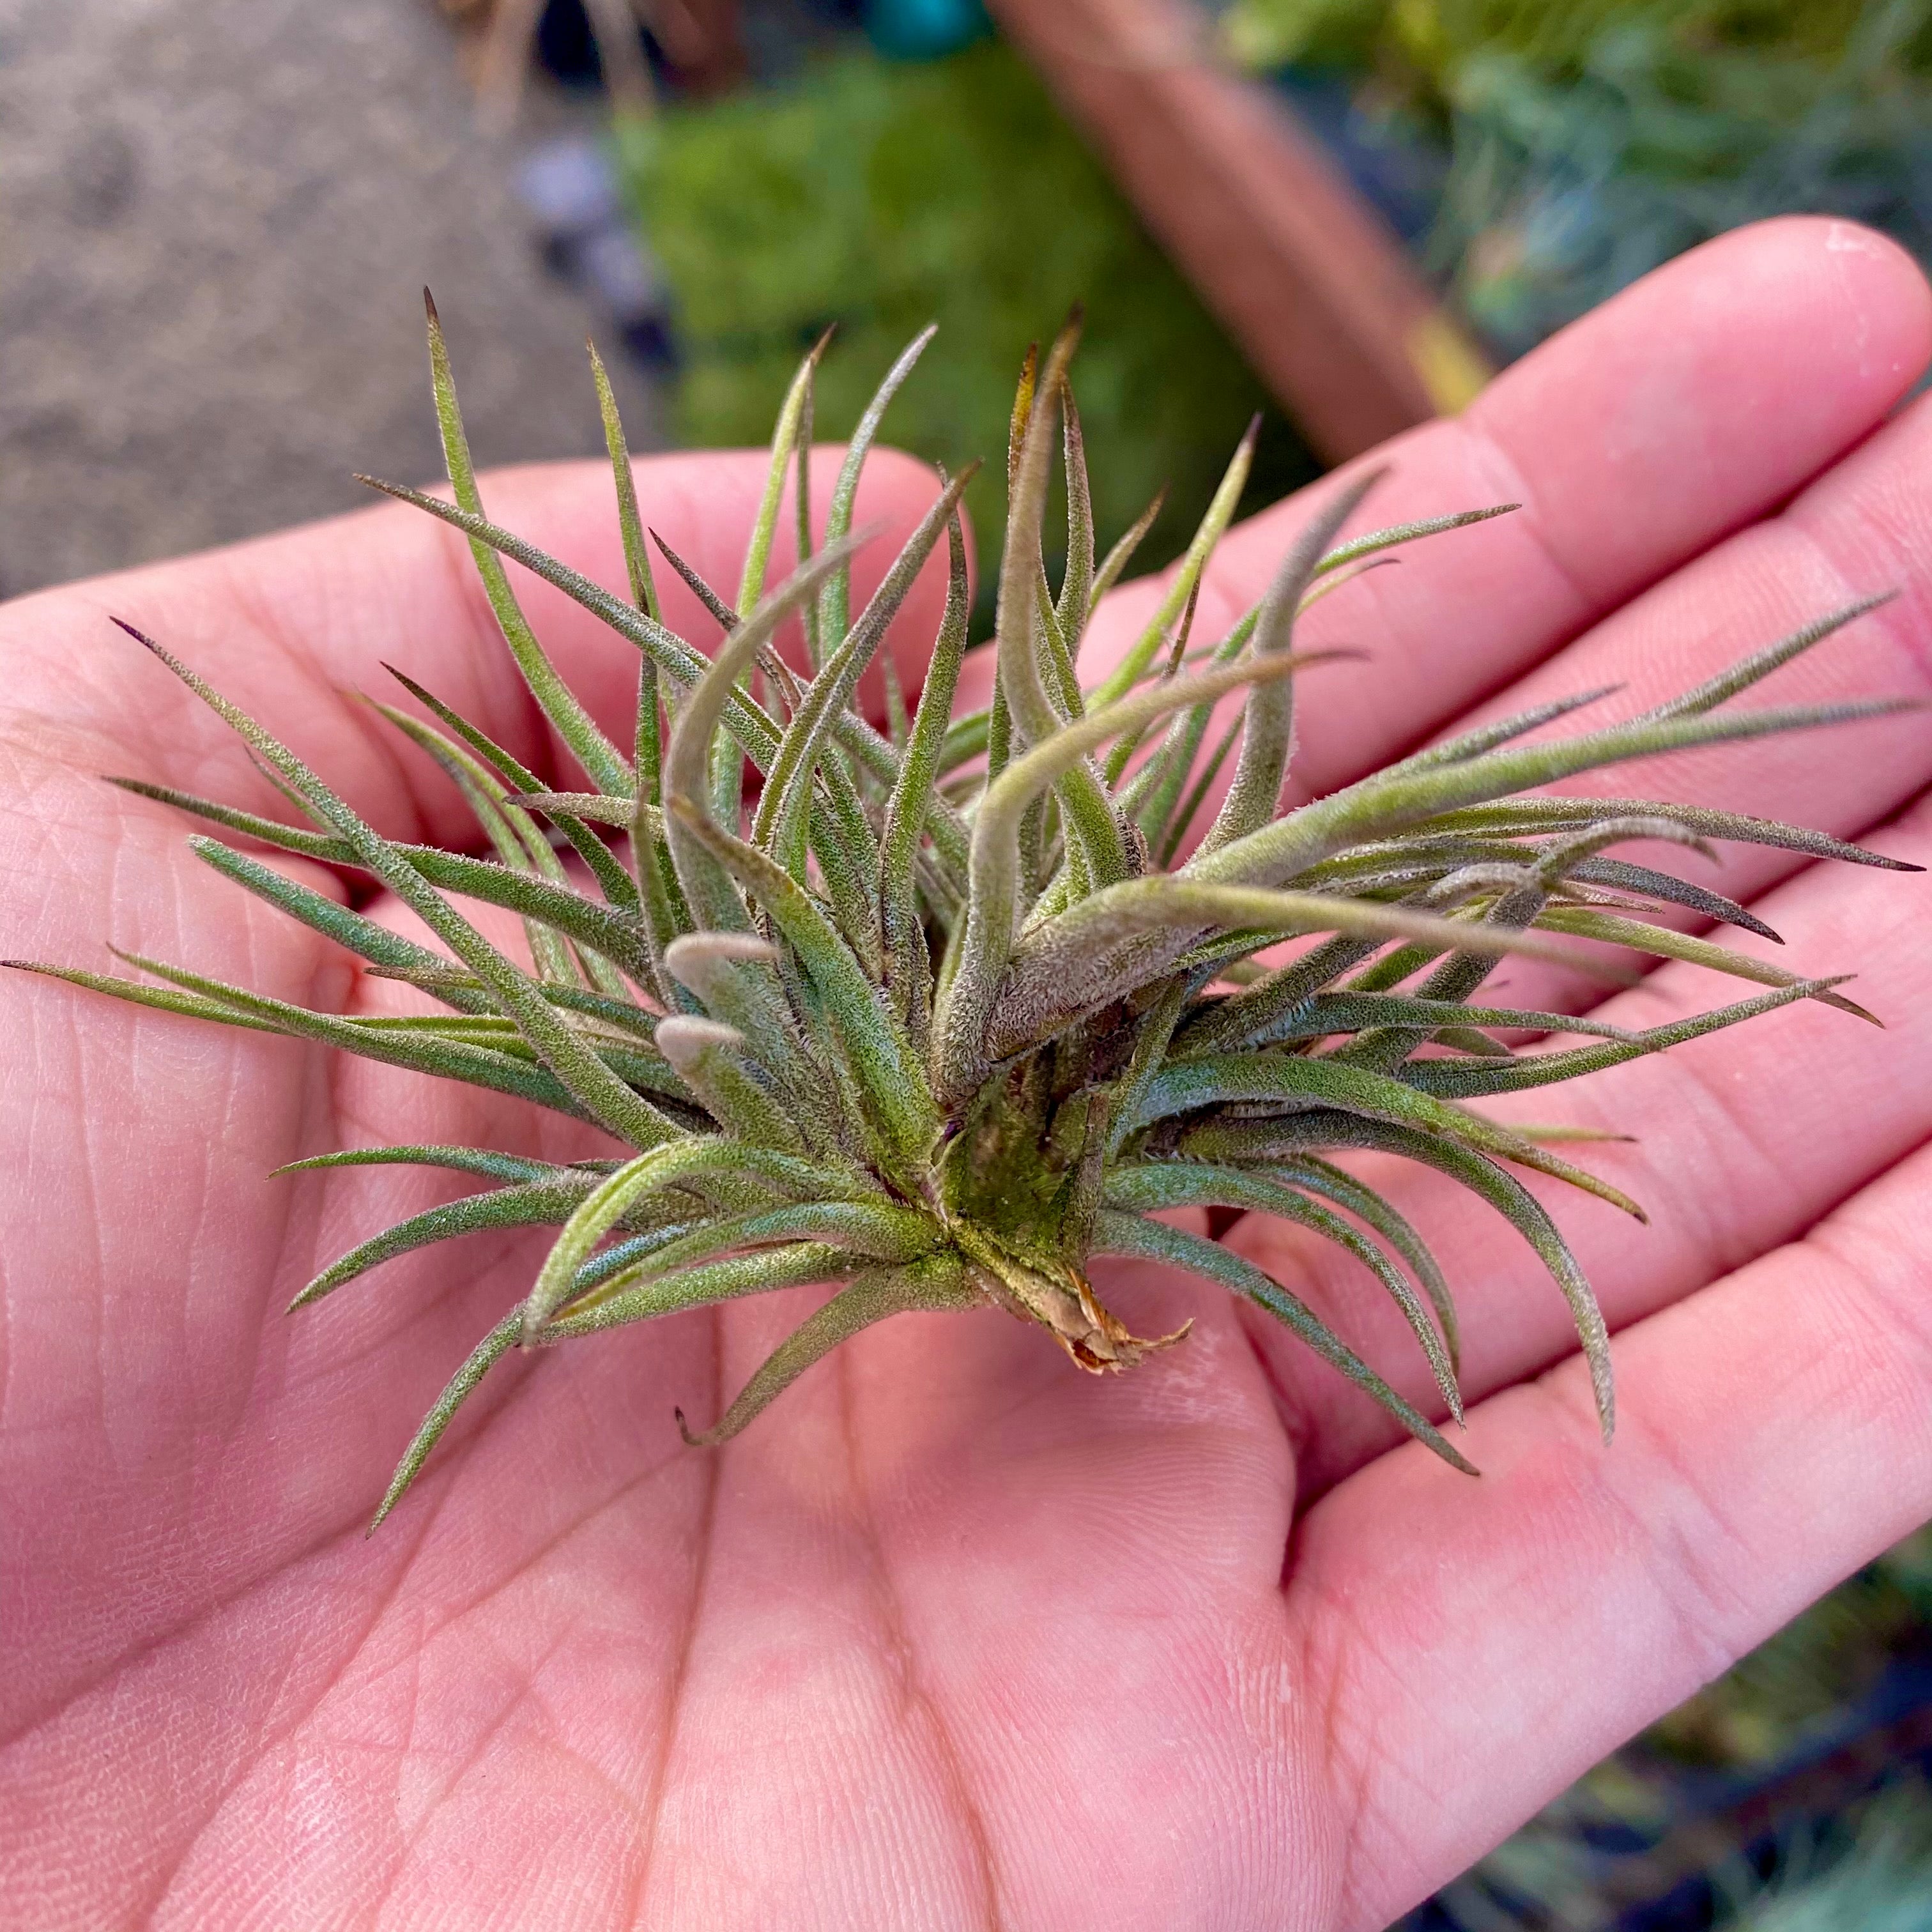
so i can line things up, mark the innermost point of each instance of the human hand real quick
(953, 1636)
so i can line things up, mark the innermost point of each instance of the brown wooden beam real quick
(701, 38)
(1309, 280)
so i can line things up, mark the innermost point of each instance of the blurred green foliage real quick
(1791, 1756)
(1432, 36)
(1873, 1875)
(1832, 1655)
(881, 195)
(1586, 141)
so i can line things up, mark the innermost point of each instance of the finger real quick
(1778, 1433)
(1691, 404)
(1864, 528)
(290, 626)
(1744, 1139)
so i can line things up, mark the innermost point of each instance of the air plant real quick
(942, 1014)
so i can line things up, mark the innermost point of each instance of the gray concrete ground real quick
(215, 216)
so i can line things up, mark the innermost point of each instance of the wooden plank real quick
(702, 38)
(1308, 279)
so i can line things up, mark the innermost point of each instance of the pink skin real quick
(955, 1635)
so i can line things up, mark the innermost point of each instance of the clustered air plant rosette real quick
(929, 1020)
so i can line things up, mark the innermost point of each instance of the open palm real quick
(954, 1636)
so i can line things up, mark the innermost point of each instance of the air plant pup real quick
(950, 1009)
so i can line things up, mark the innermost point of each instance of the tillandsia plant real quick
(942, 1013)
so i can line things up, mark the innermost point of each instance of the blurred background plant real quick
(877, 195)
(1558, 149)
(1794, 1793)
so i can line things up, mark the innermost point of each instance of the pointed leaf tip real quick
(140, 637)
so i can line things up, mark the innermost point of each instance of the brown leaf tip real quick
(139, 636)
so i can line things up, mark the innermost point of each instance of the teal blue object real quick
(926, 29)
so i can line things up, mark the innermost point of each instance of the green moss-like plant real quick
(880, 195)
(930, 1020)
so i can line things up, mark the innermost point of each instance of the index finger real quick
(1685, 409)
